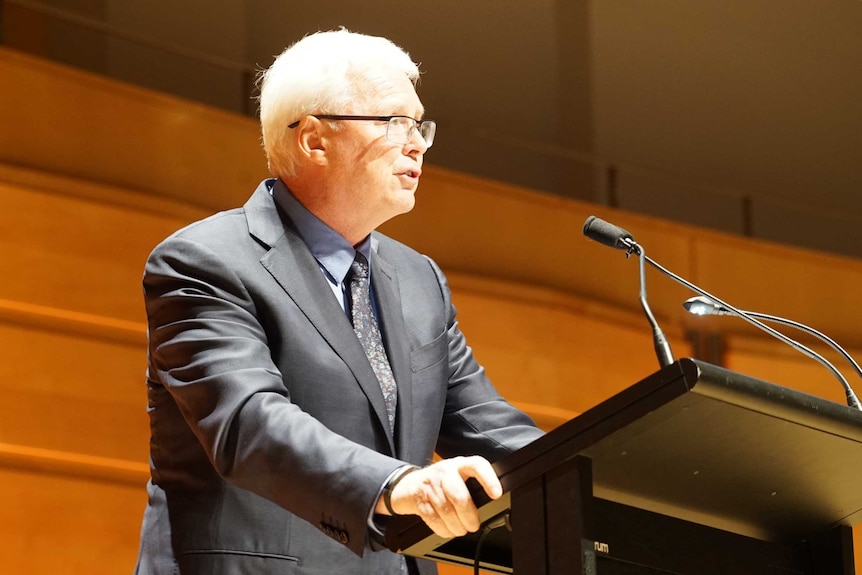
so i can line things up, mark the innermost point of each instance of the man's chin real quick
(407, 197)
(404, 203)
(407, 205)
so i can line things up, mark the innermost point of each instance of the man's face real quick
(377, 178)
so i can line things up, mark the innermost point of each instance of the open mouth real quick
(410, 170)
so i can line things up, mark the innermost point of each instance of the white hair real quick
(321, 74)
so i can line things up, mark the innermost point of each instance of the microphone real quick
(611, 235)
(616, 237)
(607, 233)
(701, 305)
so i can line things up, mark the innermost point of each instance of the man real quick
(291, 409)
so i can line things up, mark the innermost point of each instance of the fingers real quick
(439, 495)
(479, 468)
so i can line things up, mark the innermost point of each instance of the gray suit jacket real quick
(269, 433)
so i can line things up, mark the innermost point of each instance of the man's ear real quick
(311, 140)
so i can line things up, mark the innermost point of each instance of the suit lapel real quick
(392, 325)
(294, 268)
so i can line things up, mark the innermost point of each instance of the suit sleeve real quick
(210, 355)
(476, 419)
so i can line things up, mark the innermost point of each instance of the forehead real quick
(388, 94)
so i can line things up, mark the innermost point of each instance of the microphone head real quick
(607, 233)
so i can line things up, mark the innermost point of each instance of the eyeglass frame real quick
(417, 124)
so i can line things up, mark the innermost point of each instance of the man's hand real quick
(439, 496)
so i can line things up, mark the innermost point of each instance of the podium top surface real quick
(740, 455)
(704, 444)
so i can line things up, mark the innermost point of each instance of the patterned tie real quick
(368, 332)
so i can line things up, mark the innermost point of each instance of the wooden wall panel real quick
(70, 122)
(74, 253)
(498, 231)
(94, 173)
(73, 393)
(54, 523)
(544, 348)
(777, 362)
(817, 289)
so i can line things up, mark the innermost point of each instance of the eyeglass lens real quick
(400, 130)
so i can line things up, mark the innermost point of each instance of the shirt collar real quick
(332, 251)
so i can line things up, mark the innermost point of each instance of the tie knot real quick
(359, 267)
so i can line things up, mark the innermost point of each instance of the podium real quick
(694, 470)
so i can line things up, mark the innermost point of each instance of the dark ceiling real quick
(739, 115)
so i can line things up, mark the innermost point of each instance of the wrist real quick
(390, 486)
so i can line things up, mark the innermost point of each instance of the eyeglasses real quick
(399, 129)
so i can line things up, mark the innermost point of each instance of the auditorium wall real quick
(93, 173)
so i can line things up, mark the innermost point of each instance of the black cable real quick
(495, 523)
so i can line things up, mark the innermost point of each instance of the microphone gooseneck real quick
(702, 305)
(616, 237)
(852, 399)
(659, 341)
